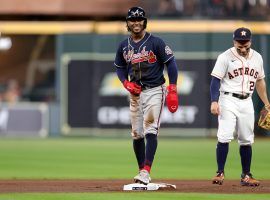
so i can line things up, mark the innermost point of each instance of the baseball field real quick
(91, 168)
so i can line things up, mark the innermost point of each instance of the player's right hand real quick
(215, 108)
(133, 88)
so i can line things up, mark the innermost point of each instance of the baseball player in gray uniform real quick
(237, 72)
(139, 62)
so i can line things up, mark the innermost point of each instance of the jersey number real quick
(251, 85)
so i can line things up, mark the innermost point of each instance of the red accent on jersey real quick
(140, 56)
(152, 57)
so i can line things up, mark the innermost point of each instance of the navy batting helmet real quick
(136, 13)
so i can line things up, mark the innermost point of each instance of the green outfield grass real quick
(89, 158)
(134, 196)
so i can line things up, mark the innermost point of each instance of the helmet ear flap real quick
(145, 24)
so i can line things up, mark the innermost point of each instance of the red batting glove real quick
(132, 87)
(172, 98)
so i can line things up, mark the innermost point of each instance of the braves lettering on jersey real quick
(144, 60)
(237, 74)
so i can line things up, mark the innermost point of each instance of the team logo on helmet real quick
(137, 13)
(243, 33)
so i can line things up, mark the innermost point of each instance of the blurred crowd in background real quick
(116, 9)
(212, 9)
(30, 78)
(10, 91)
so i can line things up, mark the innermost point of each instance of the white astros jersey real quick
(238, 74)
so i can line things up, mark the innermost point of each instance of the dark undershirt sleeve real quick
(122, 74)
(172, 71)
(214, 88)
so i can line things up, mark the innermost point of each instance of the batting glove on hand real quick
(133, 88)
(172, 98)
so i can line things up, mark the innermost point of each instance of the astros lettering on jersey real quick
(237, 74)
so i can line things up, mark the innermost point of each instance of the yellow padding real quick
(119, 27)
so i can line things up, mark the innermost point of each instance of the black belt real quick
(144, 87)
(239, 96)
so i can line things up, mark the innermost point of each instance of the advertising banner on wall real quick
(24, 120)
(97, 99)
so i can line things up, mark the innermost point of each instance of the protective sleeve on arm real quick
(172, 71)
(214, 88)
(122, 74)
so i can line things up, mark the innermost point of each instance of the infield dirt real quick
(78, 186)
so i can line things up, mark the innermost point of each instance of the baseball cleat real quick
(143, 177)
(219, 178)
(248, 180)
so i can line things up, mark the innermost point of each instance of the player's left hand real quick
(264, 119)
(172, 98)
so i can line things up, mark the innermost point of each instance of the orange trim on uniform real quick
(239, 58)
(217, 76)
(249, 57)
(243, 72)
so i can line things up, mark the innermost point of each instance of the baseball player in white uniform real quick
(237, 72)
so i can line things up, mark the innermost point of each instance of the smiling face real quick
(242, 47)
(135, 25)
